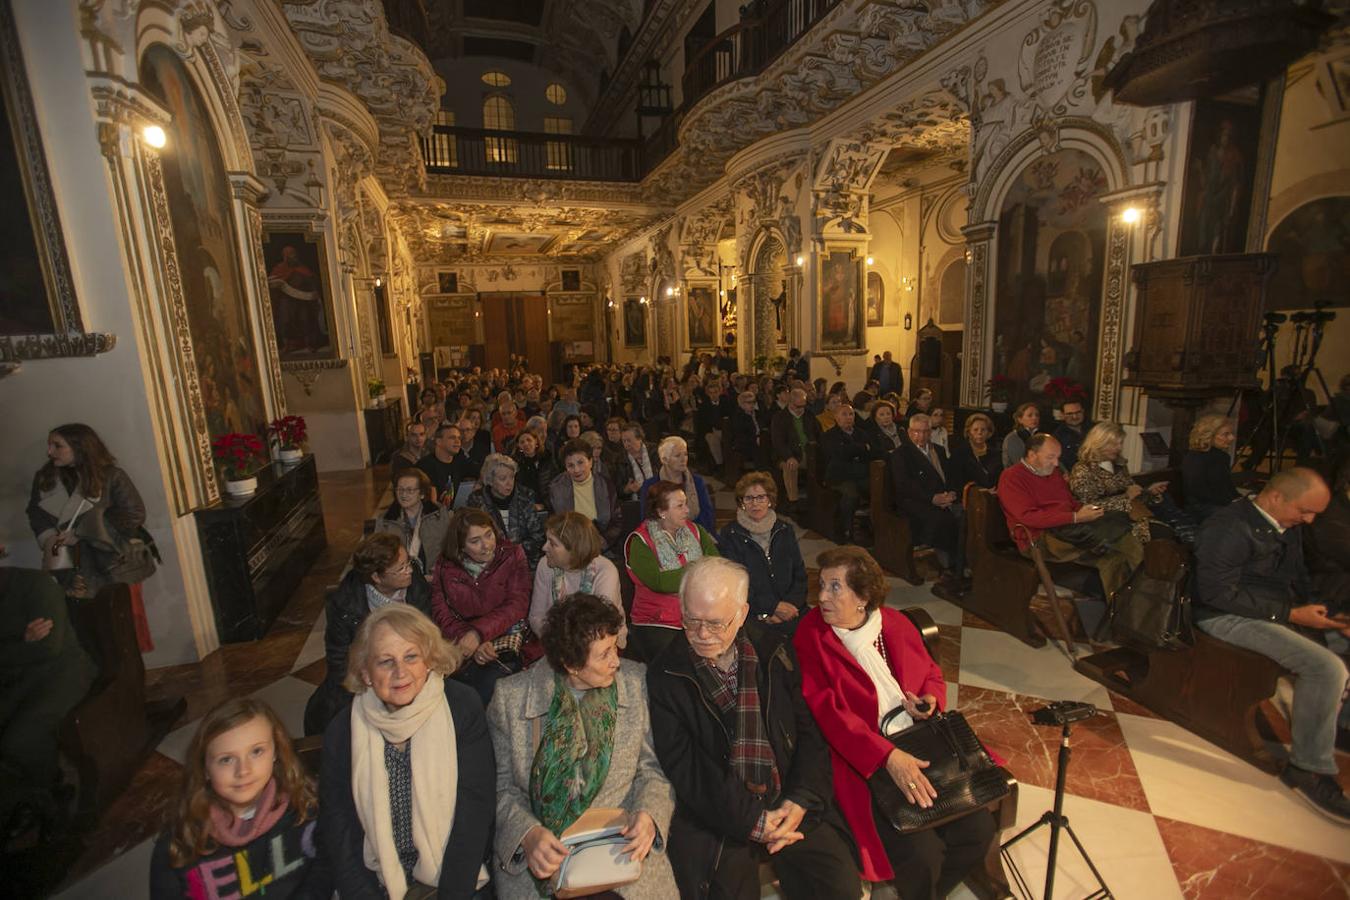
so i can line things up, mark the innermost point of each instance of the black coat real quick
(535, 472)
(967, 467)
(879, 444)
(745, 435)
(341, 836)
(1070, 439)
(1207, 482)
(846, 455)
(1245, 567)
(783, 435)
(917, 481)
(712, 805)
(347, 608)
(708, 415)
(778, 577)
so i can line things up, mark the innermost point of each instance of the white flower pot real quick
(290, 455)
(241, 488)
(999, 406)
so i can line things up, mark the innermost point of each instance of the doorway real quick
(515, 324)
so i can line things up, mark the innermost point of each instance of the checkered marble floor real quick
(1163, 813)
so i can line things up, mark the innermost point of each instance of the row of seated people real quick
(736, 746)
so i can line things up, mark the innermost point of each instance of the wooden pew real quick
(824, 500)
(893, 540)
(733, 462)
(1214, 689)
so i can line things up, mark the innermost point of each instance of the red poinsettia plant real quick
(1063, 390)
(1000, 388)
(237, 454)
(289, 431)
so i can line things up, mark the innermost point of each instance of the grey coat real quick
(635, 780)
(435, 522)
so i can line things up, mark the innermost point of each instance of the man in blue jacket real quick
(1252, 586)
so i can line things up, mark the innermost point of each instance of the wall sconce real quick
(909, 322)
(801, 260)
(154, 136)
(969, 254)
(907, 282)
(869, 260)
(670, 292)
(642, 300)
(379, 282)
(1130, 215)
(610, 304)
(722, 293)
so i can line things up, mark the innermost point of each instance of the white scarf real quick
(861, 643)
(435, 778)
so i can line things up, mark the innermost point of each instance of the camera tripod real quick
(1063, 714)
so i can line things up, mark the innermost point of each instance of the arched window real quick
(499, 115)
(556, 94)
(496, 79)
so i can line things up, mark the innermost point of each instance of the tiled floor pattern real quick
(1163, 813)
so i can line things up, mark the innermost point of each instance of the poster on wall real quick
(702, 317)
(302, 309)
(201, 206)
(1314, 246)
(634, 323)
(1051, 252)
(876, 300)
(451, 321)
(1220, 169)
(841, 313)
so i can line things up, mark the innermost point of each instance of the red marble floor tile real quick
(1101, 767)
(1212, 864)
(949, 652)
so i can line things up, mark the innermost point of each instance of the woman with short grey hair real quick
(514, 508)
(673, 452)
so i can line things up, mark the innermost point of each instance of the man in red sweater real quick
(1034, 494)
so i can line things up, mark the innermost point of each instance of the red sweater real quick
(843, 701)
(1040, 502)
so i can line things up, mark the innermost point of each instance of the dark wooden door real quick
(515, 324)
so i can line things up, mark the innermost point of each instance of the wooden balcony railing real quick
(451, 150)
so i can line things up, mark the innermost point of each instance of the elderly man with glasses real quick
(750, 770)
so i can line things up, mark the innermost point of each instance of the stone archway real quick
(769, 299)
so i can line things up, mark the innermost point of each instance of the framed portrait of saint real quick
(634, 323)
(302, 308)
(702, 317)
(447, 282)
(571, 279)
(876, 300)
(841, 301)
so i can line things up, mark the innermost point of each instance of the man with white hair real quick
(926, 495)
(750, 770)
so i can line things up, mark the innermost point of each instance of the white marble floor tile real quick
(313, 649)
(904, 595)
(1124, 845)
(992, 659)
(1191, 780)
(125, 877)
(288, 697)
(175, 743)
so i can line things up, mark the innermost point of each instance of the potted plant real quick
(238, 455)
(1061, 390)
(1000, 389)
(290, 435)
(376, 388)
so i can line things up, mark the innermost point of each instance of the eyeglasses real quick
(708, 625)
(400, 570)
(408, 491)
(755, 498)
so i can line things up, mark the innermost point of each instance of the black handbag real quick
(962, 772)
(1153, 613)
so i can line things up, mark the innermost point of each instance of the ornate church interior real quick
(1062, 287)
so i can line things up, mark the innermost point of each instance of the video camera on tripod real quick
(1063, 712)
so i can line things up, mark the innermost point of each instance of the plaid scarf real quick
(751, 754)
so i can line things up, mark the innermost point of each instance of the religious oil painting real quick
(841, 301)
(1051, 249)
(447, 282)
(634, 323)
(702, 317)
(301, 306)
(1220, 169)
(876, 300)
(200, 203)
(1314, 246)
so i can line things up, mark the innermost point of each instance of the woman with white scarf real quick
(673, 452)
(656, 555)
(860, 660)
(407, 796)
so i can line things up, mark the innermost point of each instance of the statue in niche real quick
(780, 316)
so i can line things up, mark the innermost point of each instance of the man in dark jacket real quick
(381, 573)
(886, 373)
(1251, 587)
(847, 457)
(791, 431)
(745, 432)
(919, 471)
(713, 407)
(1071, 431)
(750, 770)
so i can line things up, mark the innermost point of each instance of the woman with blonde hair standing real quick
(1207, 469)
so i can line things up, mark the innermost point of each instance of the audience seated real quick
(860, 661)
(572, 564)
(477, 442)
(382, 572)
(746, 429)
(674, 455)
(767, 547)
(920, 403)
(1026, 420)
(513, 506)
(414, 448)
(1207, 468)
(1037, 503)
(735, 738)
(937, 419)
(534, 467)
(44, 673)
(973, 459)
(246, 813)
(1101, 477)
(846, 457)
(1070, 431)
(613, 452)
(432, 411)
(827, 418)
(713, 407)
(408, 792)
(571, 735)
(656, 554)
(792, 429)
(638, 465)
(446, 465)
(927, 493)
(508, 421)
(569, 431)
(480, 596)
(884, 435)
(580, 487)
(1253, 590)
(419, 523)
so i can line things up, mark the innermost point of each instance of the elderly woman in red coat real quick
(859, 661)
(480, 596)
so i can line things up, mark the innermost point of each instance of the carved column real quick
(249, 192)
(1126, 243)
(977, 341)
(761, 300)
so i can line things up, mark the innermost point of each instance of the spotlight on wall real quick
(611, 304)
(670, 292)
(909, 322)
(155, 136)
(1130, 215)
(801, 260)
(642, 300)
(869, 260)
(379, 282)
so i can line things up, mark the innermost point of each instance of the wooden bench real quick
(1004, 581)
(893, 539)
(824, 500)
(1214, 689)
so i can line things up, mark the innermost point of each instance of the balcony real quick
(451, 150)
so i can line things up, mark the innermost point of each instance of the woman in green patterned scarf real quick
(575, 735)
